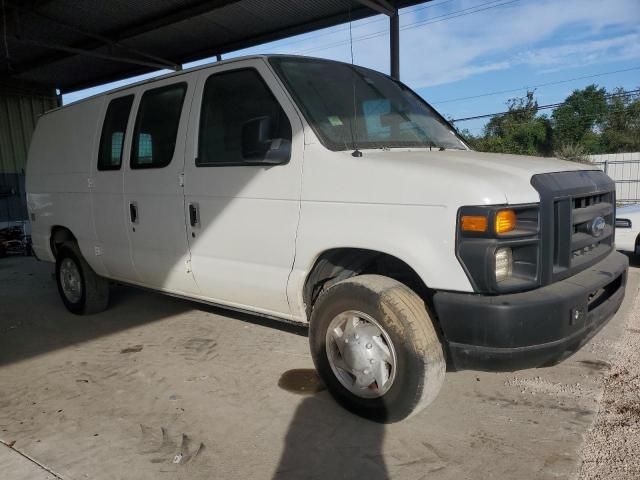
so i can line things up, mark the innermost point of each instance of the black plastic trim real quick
(534, 328)
(562, 188)
(476, 250)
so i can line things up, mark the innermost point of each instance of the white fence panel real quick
(624, 169)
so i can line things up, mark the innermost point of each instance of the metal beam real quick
(380, 6)
(394, 45)
(96, 36)
(167, 18)
(221, 49)
(199, 49)
(91, 53)
(384, 7)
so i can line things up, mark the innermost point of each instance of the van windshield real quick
(352, 107)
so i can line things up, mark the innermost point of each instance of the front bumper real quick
(535, 328)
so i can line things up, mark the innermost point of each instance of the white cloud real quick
(511, 36)
(625, 47)
(544, 34)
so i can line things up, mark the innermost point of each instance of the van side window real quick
(154, 137)
(241, 122)
(113, 130)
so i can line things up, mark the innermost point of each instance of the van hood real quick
(434, 177)
(511, 173)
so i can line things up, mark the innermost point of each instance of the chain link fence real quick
(624, 169)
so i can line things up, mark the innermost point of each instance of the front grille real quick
(570, 202)
(576, 242)
(584, 242)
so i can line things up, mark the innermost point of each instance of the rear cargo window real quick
(241, 122)
(154, 137)
(113, 130)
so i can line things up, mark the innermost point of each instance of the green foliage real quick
(521, 130)
(589, 121)
(581, 117)
(573, 152)
(621, 132)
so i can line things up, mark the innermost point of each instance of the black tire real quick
(420, 364)
(95, 289)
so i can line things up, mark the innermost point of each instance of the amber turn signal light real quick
(505, 221)
(473, 223)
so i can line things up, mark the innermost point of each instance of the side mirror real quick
(258, 146)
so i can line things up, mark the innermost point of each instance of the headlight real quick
(499, 247)
(504, 264)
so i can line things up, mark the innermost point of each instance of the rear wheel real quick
(81, 289)
(376, 348)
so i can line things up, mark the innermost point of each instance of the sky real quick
(458, 53)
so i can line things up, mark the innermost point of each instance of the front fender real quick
(421, 236)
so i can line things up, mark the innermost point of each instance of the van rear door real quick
(107, 198)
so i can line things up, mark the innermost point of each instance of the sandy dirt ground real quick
(157, 387)
(612, 446)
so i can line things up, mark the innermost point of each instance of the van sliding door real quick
(153, 193)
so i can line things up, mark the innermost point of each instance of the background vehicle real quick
(15, 240)
(319, 192)
(628, 229)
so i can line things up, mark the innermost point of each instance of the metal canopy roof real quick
(70, 44)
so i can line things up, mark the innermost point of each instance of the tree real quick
(621, 132)
(580, 119)
(589, 121)
(519, 131)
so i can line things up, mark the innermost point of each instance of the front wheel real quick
(376, 348)
(82, 290)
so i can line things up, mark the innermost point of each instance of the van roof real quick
(182, 72)
(158, 78)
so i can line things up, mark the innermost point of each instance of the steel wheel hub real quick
(71, 280)
(361, 354)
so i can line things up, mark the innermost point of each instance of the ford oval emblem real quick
(597, 226)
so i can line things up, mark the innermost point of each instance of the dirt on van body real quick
(611, 449)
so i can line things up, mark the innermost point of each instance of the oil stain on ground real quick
(303, 381)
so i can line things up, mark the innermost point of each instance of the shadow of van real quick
(34, 321)
(324, 441)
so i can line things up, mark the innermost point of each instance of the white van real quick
(628, 229)
(319, 192)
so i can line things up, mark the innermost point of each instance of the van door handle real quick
(133, 212)
(193, 214)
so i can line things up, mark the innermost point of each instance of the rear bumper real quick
(531, 329)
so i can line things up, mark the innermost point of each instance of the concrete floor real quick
(158, 387)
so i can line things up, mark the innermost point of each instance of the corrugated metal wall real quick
(20, 106)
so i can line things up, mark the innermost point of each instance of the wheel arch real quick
(339, 263)
(59, 236)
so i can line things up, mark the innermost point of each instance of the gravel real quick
(612, 445)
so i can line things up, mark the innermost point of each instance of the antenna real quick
(356, 152)
(6, 44)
